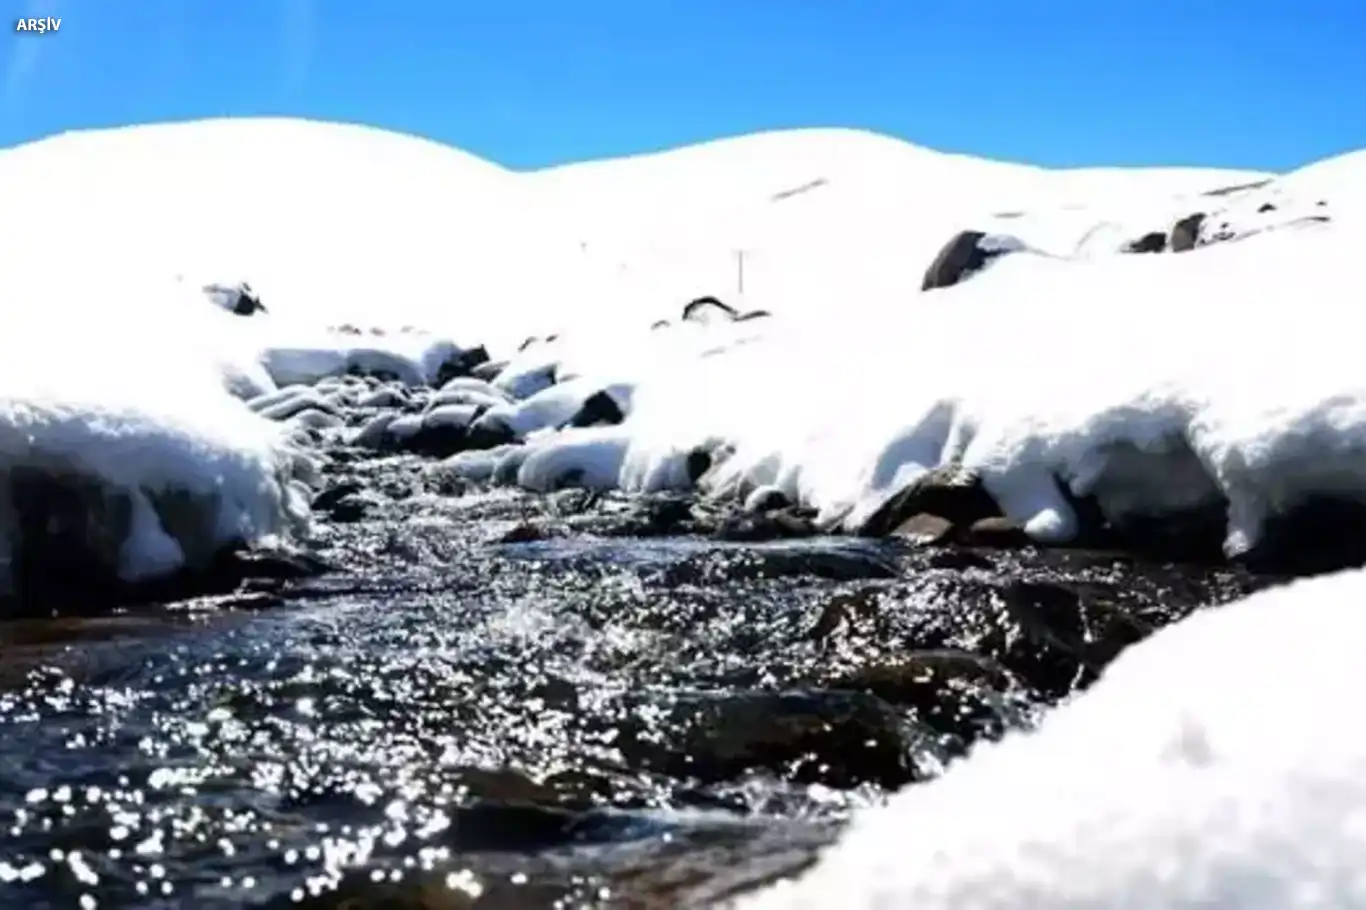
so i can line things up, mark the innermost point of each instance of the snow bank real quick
(120, 389)
(1216, 765)
(1152, 382)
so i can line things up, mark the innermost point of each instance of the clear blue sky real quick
(1253, 83)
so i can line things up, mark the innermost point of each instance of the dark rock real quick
(333, 494)
(767, 499)
(947, 492)
(839, 739)
(1070, 633)
(598, 409)
(68, 532)
(1186, 233)
(238, 299)
(523, 532)
(349, 508)
(1265, 207)
(855, 609)
(753, 314)
(1321, 534)
(954, 691)
(995, 531)
(779, 524)
(902, 680)
(957, 560)
(695, 310)
(962, 256)
(699, 463)
(463, 364)
(1153, 242)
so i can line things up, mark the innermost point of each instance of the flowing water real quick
(499, 700)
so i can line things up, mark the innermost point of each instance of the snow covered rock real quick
(237, 298)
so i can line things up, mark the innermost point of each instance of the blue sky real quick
(1257, 83)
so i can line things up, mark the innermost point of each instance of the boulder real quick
(1152, 242)
(966, 254)
(947, 492)
(1186, 232)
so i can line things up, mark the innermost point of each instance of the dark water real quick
(505, 701)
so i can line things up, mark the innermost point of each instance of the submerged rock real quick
(838, 739)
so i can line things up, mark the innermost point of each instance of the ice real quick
(1216, 765)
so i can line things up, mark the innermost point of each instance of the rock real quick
(288, 406)
(954, 691)
(488, 432)
(67, 533)
(1186, 233)
(598, 409)
(699, 462)
(947, 492)
(238, 298)
(523, 383)
(312, 418)
(461, 364)
(1153, 242)
(830, 559)
(441, 432)
(995, 531)
(857, 609)
(705, 309)
(839, 739)
(1070, 633)
(384, 397)
(778, 524)
(488, 371)
(1321, 534)
(659, 324)
(372, 435)
(925, 529)
(967, 253)
(523, 532)
(753, 314)
(1265, 207)
(766, 499)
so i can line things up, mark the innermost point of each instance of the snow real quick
(1113, 374)
(1215, 765)
(128, 386)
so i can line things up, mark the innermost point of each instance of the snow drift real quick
(1155, 384)
(120, 394)
(1215, 765)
